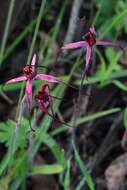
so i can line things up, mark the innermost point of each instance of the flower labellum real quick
(43, 98)
(44, 101)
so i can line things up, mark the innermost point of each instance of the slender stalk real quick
(31, 142)
(77, 109)
(98, 13)
(19, 38)
(6, 30)
(72, 22)
(31, 136)
(36, 30)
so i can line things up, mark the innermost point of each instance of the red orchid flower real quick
(30, 74)
(88, 42)
(44, 101)
(43, 98)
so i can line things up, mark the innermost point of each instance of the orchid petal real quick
(28, 93)
(50, 100)
(74, 45)
(92, 30)
(18, 79)
(88, 57)
(33, 60)
(48, 78)
(105, 43)
(46, 87)
(42, 106)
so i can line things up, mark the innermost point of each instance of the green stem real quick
(36, 31)
(98, 13)
(18, 39)
(115, 20)
(6, 30)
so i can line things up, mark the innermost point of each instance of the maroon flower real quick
(43, 98)
(44, 101)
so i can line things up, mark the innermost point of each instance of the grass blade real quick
(47, 169)
(98, 115)
(83, 169)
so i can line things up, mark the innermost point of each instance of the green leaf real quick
(125, 118)
(54, 147)
(18, 39)
(47, 169)
(94, 79)
(84, 170)
(6, 131)
(120, 85)
(80, 184)
(59, 130)
(98, 115)
(86, 119)
(115, 19)
(67, 178)
(113, 61)
(102, 66)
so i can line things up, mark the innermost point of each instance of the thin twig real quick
(5, 97)
(74, 119)
(77, 109)
(31, 141)
(72, 22)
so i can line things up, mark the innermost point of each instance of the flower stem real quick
(77, 107)
(36, 30)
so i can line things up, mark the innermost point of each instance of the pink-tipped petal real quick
(48, 78)
(28, 93)
(74, 45)
(18, 79)
(33, 60)
(88, 57)
(92, 30)
(105, 43)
